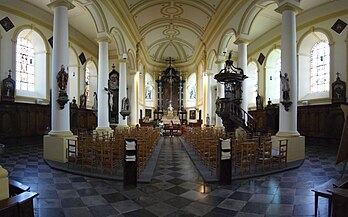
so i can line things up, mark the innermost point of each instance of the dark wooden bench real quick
(325, 190)
(20, 203)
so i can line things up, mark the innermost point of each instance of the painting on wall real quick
(148, 113)
(192, 114)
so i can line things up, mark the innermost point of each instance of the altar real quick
(170, 115)
(170, 101)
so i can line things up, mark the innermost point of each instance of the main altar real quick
(170, 103)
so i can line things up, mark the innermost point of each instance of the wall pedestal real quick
(4, 193)
(55, 147)
(296, 147)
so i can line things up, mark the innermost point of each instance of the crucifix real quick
(170, 107)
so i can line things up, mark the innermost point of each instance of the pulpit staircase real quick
(234, 116)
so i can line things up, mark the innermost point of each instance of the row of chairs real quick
(105, 151)
(248, 151)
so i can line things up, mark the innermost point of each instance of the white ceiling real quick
(171, 28)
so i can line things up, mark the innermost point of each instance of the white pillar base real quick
(4, 193)
(122, 126)
(103, 130)
(296, 146)
(55, 147)
(288, 134)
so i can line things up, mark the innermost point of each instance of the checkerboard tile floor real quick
(175, 190)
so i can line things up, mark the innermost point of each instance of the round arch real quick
(211, 59)
(118, 39)
(226, 40)
(250, 14)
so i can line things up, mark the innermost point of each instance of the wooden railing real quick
(20, 203)
(228, 109)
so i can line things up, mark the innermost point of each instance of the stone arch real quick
(96, 13)
(131, 60)
(211, 59)
(31, 27)
(118, 39)
(226, 40)
(314, 29)
(250, 14)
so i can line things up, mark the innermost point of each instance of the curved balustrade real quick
(228, 109)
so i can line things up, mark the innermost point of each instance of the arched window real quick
(30, 65)
(320, 67)
(314, 66)
(273, 67)
(252, 83)
(91, 79)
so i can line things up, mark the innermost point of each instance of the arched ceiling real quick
(171, 28)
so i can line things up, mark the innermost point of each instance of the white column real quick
(208, 100)
(103, 72)
(60, 118)
(220, 90)
(288, 119)
(243, 64)
(134, 99)
(122, 89)
(55, 143)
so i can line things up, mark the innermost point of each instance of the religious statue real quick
(286, 91)
(111, 100)
(62, 81)
(125, 104)
(259, 103)
(207, 120)
(285, 86)
(8, 88)
(62, 78)
(83, 99)
(95, 101)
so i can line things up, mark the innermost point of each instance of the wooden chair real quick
(247, 156)
(265, 154)
(281, 156)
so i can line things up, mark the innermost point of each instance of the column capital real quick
(133, 73)
(209, 73)
(57, 3)
(121, 60)
(291, 5)
(103, 39)
(241, 40)
(220, 59)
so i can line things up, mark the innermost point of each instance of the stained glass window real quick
(320, 67)
(25, 65)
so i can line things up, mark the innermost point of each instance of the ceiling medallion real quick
(171, 32)
(172, 11)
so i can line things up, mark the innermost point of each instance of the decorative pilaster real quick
(288, 119)
(243, 64)
(103, 77)
(55, 142)
(122, 121)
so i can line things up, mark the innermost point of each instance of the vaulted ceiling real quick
(169, 28)
(172, 28)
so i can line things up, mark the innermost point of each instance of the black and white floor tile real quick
(176, 189)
